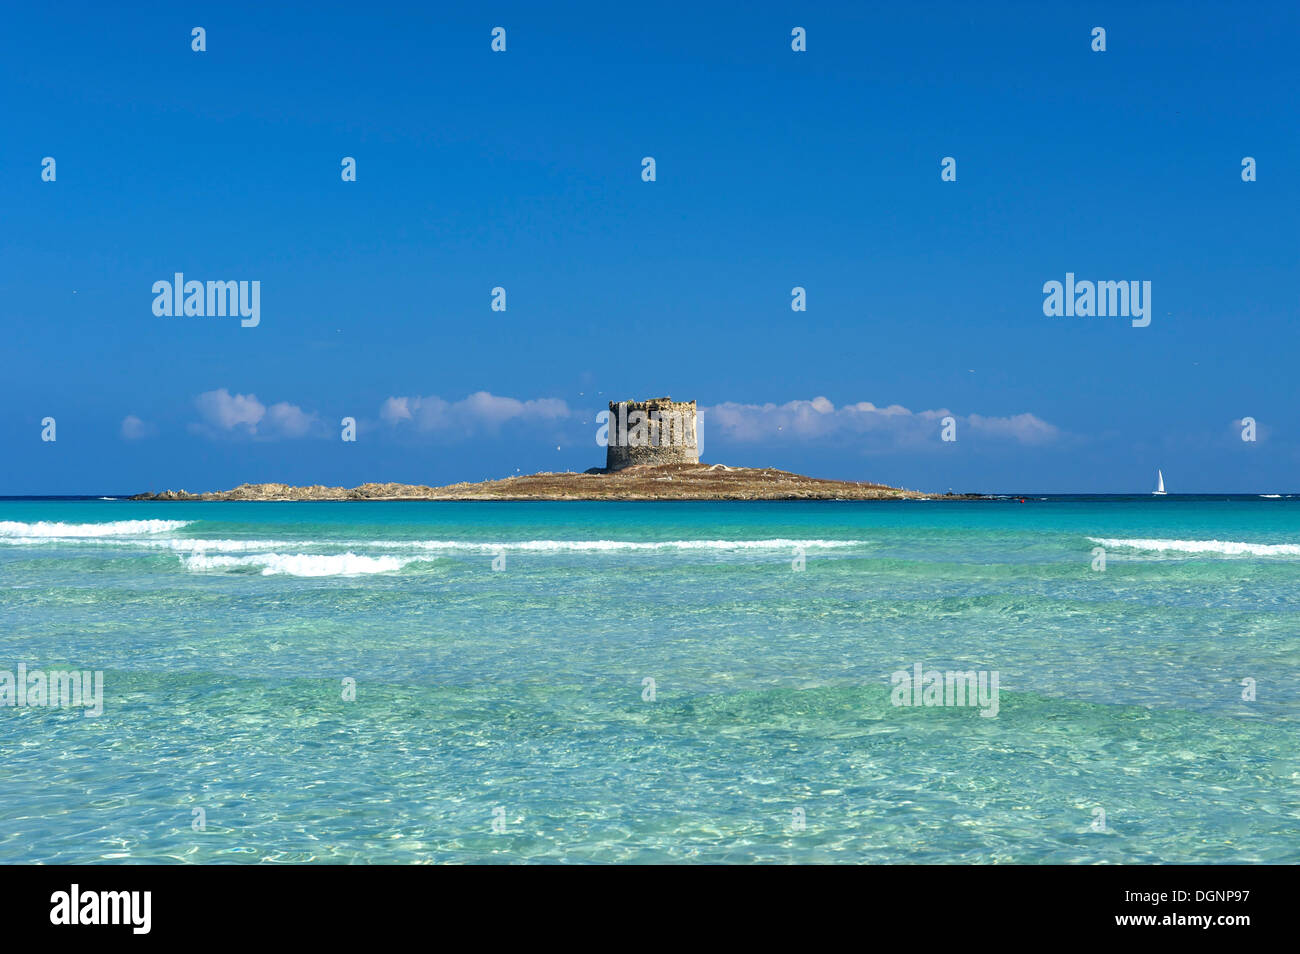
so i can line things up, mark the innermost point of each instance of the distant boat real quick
(1160, 485)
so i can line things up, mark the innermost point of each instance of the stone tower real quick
(658, 431)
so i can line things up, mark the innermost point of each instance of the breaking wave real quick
(196, 545)
(1221, 547)
(301, 564)
(561, 545)
(341, 557)
(43, 530)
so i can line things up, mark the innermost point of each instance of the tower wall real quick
(658, 431)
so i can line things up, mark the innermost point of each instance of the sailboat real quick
(1160, 485)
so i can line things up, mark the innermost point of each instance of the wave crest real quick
(302, 564)
(577, 545)
(1221, 547)
(45, 530)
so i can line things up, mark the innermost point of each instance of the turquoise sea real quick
(506, 714)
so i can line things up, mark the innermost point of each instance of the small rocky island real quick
(638, 482)
(652, 454)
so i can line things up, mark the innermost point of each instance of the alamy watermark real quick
(633, 427)
(930, 687)
(1088, 299)
(55, 689)
(129, 908)
(179, 298)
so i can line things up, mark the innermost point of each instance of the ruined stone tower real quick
(658, 431)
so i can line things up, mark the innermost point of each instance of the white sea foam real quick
(477, 546)
(322, 557)
(302, 564)
(354, 564)
(196, 545)
(234, 545)
(1222, 547)
(578, 545)
(43, 530)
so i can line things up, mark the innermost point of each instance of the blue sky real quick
(775, 169)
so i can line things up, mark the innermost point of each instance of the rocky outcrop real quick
(636, 482)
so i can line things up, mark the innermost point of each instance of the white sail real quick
(1160, 482)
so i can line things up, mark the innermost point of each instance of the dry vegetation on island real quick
(642, 482)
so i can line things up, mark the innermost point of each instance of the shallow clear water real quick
(518, 695)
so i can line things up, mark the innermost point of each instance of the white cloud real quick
(288, 420)
(134, 429)
(227, 412)
(1025, 428)
(892, 425)
(478, 412)
(224, 413)
(396, 409)
(866, 424)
